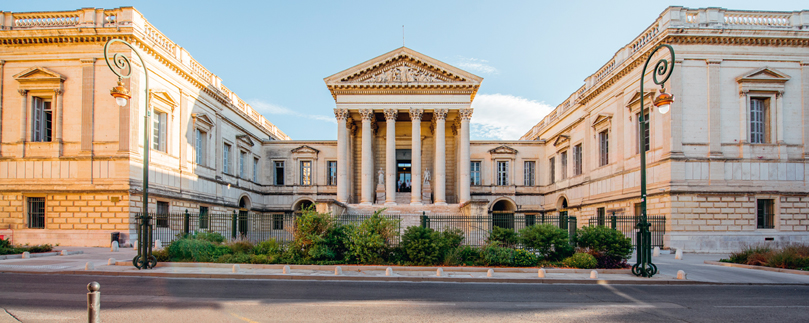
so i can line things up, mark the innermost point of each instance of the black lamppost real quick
(144, 259)
(643, 239)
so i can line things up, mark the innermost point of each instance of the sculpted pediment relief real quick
(400, 72)
(305, 150)
(503, 150)
(764, 75)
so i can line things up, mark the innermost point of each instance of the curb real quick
(41, 254)
(779, 270)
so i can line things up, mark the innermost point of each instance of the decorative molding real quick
(341, 114)
(764, 79)
(466, 114)
(391, 114)
(503, 149)
(602, 118)
(400, 72)
(415, 114)
(245, 140)
(304, 150)
(163, 96)
(440, 114)
(367, 114)
(22, 92)
(562, 139)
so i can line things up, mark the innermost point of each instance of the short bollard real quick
(89, 266)
(286, 269)
(158, 245)
(111, 262)
(26, 255)
(681, 274)
(64, 253)
(490, 273)
(94, 303)
(114, 246)
(389, 272)
(593, 274)
(679, 254)
(338, 270)
(656, 252)
(236, 268)
(541, 273)
(135, 244)
(439, 272)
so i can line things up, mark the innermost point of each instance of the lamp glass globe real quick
(121, 102)
(664, 108)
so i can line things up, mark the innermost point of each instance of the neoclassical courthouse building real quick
(727, 165)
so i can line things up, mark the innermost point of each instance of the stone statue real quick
(381, 177)
(426, 175)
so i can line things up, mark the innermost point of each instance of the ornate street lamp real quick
(643, 239)
(144, 259)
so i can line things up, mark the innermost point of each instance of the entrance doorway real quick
(243, 204)
(403, 170)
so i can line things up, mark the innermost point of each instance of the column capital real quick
(416, 114)
(367, 114)
(466, 114)
(22, 92)
(58, 91)
(391, 114)
(440, 114)
(341, 114)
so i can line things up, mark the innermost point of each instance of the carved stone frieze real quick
(401, 72)
(391, 114)
(415, 114)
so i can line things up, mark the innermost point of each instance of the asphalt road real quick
(44, 298)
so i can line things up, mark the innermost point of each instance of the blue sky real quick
(274, 55)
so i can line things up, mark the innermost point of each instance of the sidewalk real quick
(692, 264)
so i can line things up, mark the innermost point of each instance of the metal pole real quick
(94, 303)
(644, 266)
(144, 259)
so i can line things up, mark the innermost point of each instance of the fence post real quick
(233, 226)
(563, 220)
(613, 221)
(94, 303)
(425, 221)
(571, 229)
(185, 222)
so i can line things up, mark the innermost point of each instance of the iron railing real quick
(627, 224)
(476, 229)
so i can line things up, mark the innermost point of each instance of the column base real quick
(390, 203)
(416, 203)
(440, 203)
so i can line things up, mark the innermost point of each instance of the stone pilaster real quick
(342, 155)
(465, 158)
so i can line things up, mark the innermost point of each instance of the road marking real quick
(241, 318)
(762, 306)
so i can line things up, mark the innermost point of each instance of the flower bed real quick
(791, 256)
(319, 240)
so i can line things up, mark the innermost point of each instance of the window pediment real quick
(648, 96)
(305, 150)
(601, 120)
(561, 140)
(503, 150)
(245, 141)
(163, 97)
(40, 78)
(202, 121)
(764, 79)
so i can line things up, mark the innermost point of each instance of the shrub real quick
(268, 247)
(421, 245)
(240, 258)
(605, 261)
(214, 237)
(494, 255)
(369, 242)
(161, 255)
(581, 260)
(310, 229)
(743, 256)
(503, 237)
(451, 239)
(241, 246)
(5, 244)
(524, 258)
(192, 250)
(605, 240)
(462, 255)
(550, 241)
(40, 248)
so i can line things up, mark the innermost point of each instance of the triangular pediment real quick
(561, 140)
(601, 118)
(39, 73)
(763, 75)
(503, 150)
(164, 97)
(403, 68)
(245, 140)
(636, 98)
(202, 118)
(305, 149)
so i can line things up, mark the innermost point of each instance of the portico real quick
(412, 138)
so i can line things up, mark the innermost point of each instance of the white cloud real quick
(476, 65)
(505, 117)
(269, 108)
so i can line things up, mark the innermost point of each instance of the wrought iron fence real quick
(628, 225)
(476, 229)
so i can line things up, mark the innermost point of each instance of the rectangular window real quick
(277, 221)
(577, 163)
(601, 216)
(502, 173)
(765, 214)
(604, 148)
(226, 159)
(758, 121)
(645, 130)
(306, 172)
(200, 145)
(475, 173)
(162, 216)
(530, 167)
(42, 120)
(242, 158)
(331, 173)
(255, 170)
(160, 121)
(563, 161)
(203, 217)
(279, 173)
(36, 212)
(552, 169)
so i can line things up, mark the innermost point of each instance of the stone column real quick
(367, 176)
(390, 156)
(57, 124)
(440, 178)
(415, 175)
(465, 158)
(23, 114)
(342, 155)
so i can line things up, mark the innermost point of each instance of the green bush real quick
(503, 237)
(192, 250)
(369, 243)
(605, 240)
(241, 246)
(551, 242)
(524, 258)
(161, 255)
(422, 245)
(267, 248)
(581, 260)
(451, 239)
(214, 237)
(462, 255)
(239, 258)
(494, 255)
(5, 244)
(743, 256)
